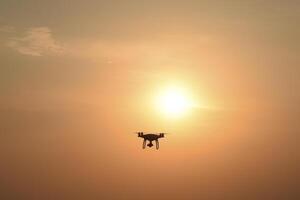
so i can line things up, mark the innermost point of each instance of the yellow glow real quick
(173, 101)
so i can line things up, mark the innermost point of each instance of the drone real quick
(150, 137)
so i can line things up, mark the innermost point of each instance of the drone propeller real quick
(138, 132)
(164, 133)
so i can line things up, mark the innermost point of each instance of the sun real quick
(173, 101)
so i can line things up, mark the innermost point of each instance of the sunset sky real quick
(78, 78)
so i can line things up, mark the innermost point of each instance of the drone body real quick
(150, 137)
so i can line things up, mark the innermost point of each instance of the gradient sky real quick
(78, 77)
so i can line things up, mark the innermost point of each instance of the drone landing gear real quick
(150, 144)
(157, 144)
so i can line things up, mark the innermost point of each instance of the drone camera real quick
(150, 145)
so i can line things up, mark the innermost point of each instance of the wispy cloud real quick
(7, 29)
(37, 41)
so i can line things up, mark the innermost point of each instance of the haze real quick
(77, 78)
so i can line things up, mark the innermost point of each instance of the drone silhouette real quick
(150, 137)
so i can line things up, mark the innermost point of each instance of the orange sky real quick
(77, 78)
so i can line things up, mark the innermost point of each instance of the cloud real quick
(7, 29)
(37, 41)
